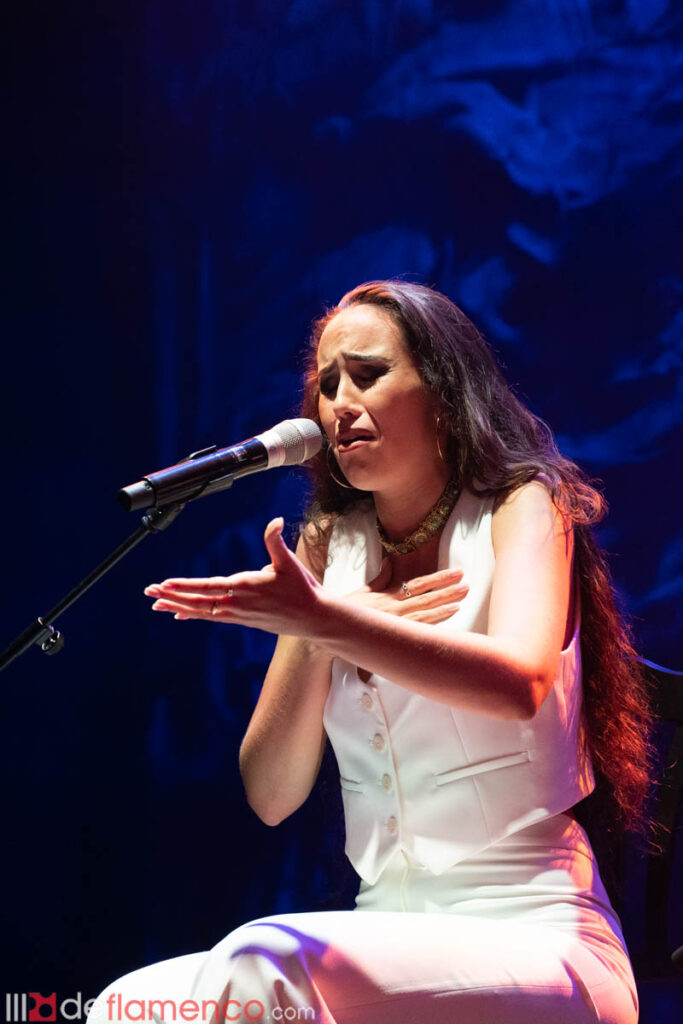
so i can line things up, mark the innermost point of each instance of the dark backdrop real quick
(190, 184)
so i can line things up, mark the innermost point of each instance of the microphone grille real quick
(301, 440)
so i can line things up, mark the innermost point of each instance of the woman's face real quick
(377, 414)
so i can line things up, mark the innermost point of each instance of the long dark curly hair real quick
(495, 444)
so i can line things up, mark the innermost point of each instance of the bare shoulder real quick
(529, 513)
(311, 549)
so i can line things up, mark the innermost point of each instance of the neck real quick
(401, 511)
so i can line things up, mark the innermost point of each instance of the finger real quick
(280, 555)
(382, 580)
(209, 613)
(432, 616)
(183, 585)
(198, 606)
(182, 611)
(210, 587)
(436, 598)
(434, 580)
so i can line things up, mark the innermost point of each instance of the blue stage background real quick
(191, 184)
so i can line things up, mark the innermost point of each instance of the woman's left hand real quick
(283, 597)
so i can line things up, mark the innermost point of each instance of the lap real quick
(357, 967)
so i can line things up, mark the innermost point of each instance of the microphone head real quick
(302, 439)
(292, 442)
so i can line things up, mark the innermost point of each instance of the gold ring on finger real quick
(404, 588)
(214, 607)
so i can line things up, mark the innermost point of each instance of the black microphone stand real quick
(169, 491)
(42, 631)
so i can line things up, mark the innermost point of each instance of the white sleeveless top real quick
(440, 783)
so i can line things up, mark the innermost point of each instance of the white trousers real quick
(523, 934)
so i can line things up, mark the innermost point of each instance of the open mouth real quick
(347, 441)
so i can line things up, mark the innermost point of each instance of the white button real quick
(386, 782)
(378, 741)
(392, 826)
(366, 700)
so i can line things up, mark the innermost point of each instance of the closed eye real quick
(369, 374)
(363, 377)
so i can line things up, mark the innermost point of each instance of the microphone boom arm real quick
(42, 631)
(164, 495)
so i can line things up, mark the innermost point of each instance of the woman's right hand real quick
(431, 598)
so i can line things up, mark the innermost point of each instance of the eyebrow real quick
(357, 357)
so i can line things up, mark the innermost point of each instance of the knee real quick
(260, 956)
(264, 937)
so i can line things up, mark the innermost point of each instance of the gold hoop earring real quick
(438, 442)
(348, 487)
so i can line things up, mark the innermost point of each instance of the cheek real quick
(326, 416)
(407, 407)
(416, 422)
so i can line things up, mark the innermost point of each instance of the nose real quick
(346, 397)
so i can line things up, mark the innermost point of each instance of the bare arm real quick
(284, 743)
(506, 673)
(283, 746)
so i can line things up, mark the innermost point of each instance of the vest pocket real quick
(351, 786)
(443, 778)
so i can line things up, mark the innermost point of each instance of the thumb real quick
(280, 555)
(381, 581)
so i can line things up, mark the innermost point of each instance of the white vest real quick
(438, 782)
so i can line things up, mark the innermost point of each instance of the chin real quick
(358, 478)
(363, 480)
(360, 481)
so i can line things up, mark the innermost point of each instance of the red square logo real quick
(44, 1007)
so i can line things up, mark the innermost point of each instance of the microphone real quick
(287, 444)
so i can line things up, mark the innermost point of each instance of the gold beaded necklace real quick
(432, 523)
